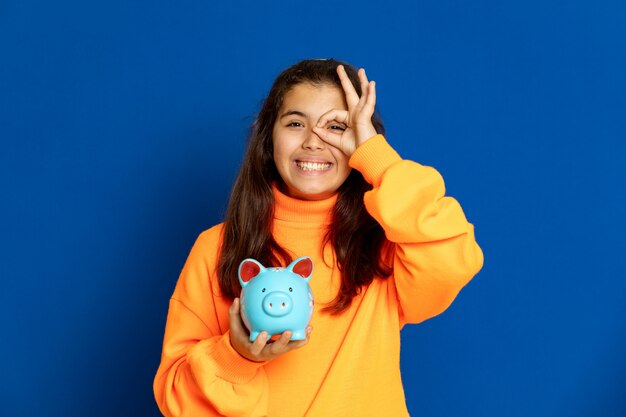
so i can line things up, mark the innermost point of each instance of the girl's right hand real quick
(259, 350)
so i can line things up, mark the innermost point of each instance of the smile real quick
(313, 166)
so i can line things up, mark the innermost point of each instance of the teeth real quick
(313, 166)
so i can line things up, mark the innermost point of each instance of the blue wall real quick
(122, 126)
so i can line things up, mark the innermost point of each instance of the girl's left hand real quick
(357, 119)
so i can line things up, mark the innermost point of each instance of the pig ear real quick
(248, 269)
(302, 266)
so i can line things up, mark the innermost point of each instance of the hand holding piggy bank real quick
(276, 299)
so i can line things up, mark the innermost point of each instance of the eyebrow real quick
(293, 112)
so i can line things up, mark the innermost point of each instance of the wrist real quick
(373, 158)
(365, 134)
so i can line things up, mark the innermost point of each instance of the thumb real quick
(235, 317)
(234, 307)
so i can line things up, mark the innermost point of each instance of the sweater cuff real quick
(373, 158)
(229, 364)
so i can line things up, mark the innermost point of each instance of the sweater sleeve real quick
(434, 250)
(200, 372)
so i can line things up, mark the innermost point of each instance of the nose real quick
(313, 142)
(277, 304)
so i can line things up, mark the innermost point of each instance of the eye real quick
(337, 127)
(290, 289)
(294, 124)
(263, 290)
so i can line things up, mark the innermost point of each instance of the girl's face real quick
(310, 168)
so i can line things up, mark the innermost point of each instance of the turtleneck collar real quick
(302, 211)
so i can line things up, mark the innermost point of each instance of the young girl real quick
(318, 179)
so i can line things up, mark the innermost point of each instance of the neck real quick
(303, 211)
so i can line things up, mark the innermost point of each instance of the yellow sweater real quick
(351, 365)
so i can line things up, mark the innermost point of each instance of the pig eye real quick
(290, 289)
(263, 290)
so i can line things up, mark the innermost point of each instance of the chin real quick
(312, 193)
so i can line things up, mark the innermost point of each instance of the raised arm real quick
(435, 252)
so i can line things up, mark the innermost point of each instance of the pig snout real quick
(277, 304)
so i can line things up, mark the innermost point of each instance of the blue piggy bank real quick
(276, 299)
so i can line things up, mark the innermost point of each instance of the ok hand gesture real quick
(357, 119)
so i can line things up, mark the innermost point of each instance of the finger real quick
(296, 344)
(239, 337)
(330, 138)
(299, 343)
(309, 330)
(370, 104)
(257, 347)
(236, 326)
(364, 88)
(284, 338)
(233, 307)
(335, 115)
(280, 345)
(352, 98)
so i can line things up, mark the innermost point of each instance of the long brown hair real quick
(356, 238)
